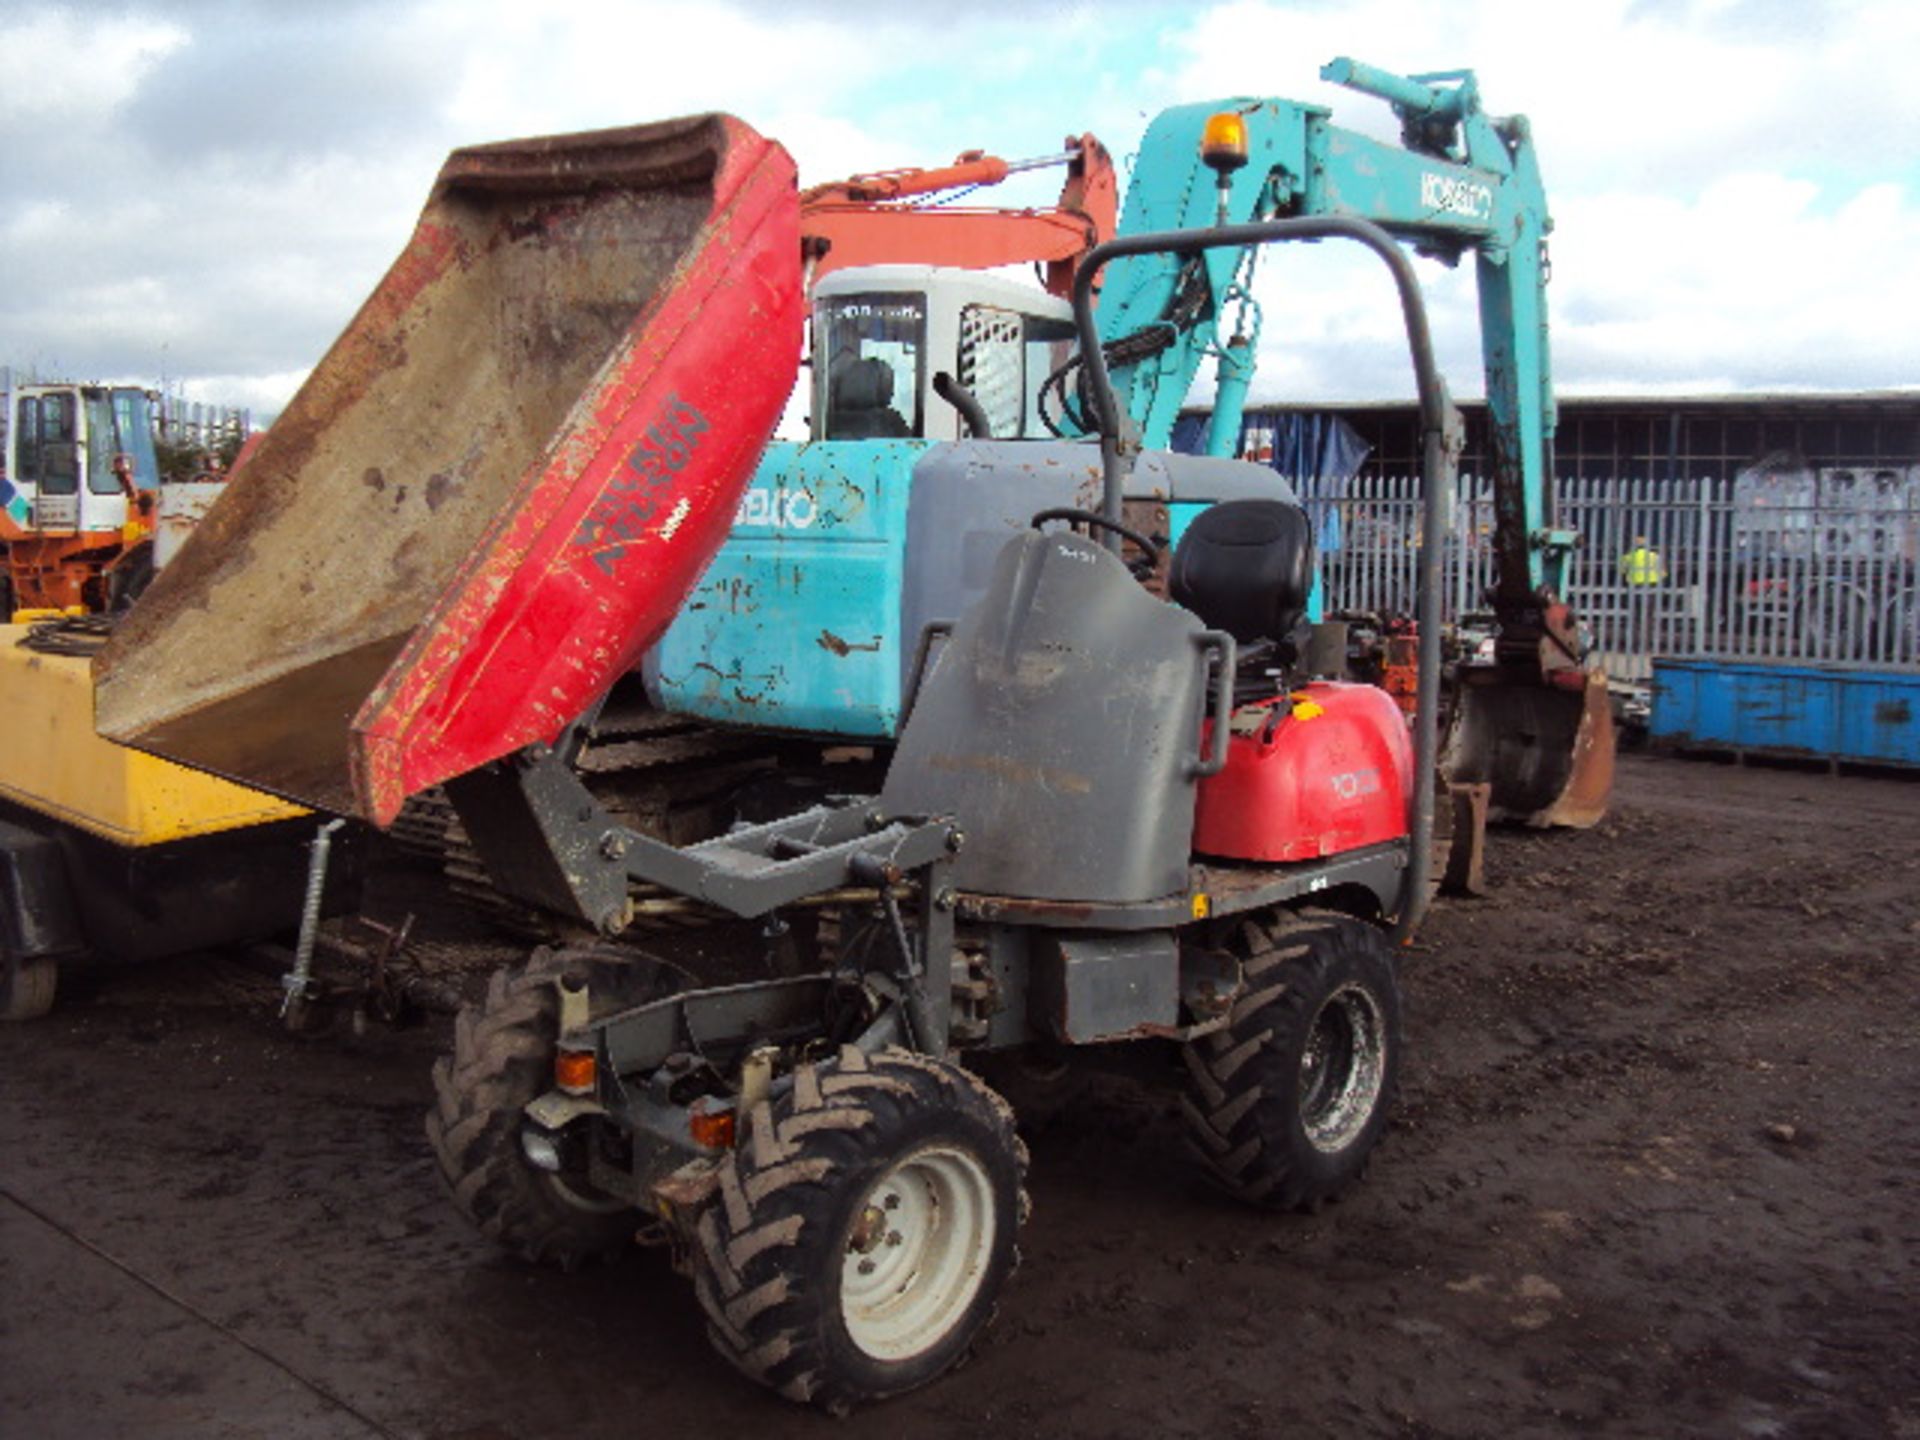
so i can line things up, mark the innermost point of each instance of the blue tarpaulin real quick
(1319, 453)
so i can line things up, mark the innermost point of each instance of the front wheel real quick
(27, 983)
(860, 1235)
(502, 1060)
(1287, 1102)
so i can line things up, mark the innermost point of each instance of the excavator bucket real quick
(1546, 750)
(497, 487)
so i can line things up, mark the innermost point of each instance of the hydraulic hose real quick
(1185, 308)
(964, 400)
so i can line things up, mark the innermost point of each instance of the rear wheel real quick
(1046, 1085)
(502, 1060)
(26, 984)
(1287, 1102)
(26, 987)
(860, 1235)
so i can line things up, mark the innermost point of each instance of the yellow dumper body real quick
(53, 763)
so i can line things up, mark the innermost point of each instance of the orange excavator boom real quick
(878, 219)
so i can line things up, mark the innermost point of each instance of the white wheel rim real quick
(917, 1253)
(1342, 1069)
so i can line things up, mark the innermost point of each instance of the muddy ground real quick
(1656, 1173)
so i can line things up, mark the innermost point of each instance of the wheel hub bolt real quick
(868, 1230)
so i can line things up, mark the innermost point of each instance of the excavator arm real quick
(899, 216)
(1461, 182)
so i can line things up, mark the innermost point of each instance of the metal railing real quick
(1803, 566)
(180, 421)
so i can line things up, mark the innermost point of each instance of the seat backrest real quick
(1246, 567)
(1059, 725)
(861, 405)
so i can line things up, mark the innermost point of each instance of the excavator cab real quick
(884, 336)
(64, 510)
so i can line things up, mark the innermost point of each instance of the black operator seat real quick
(860, 403)
(1246, 567)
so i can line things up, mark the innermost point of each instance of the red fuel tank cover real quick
(1318, 772)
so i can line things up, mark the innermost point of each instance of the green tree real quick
(182, 460)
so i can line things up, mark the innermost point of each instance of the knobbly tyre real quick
(1108, 816)
(844, 1192)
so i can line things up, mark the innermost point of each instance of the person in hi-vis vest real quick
(1644, 571)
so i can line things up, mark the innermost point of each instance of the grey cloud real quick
(1747, 20)
(865, 14)
(194, 236)
(292, 85)
(238, 12)
(219, 228)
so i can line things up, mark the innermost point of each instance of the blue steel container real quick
(1820, 712)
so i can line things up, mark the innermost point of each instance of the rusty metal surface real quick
(1547, 750)
(1582, 804)
(437, 554)
(1212, 890)
(1463, 869)
(183, 505)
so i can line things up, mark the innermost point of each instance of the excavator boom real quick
(1536, 726)
(878, 219)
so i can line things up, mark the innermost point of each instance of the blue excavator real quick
(847, 548)
(1535, 725)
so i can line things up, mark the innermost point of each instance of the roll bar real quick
(1440, 429)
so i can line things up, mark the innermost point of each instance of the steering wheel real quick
(1096, 520)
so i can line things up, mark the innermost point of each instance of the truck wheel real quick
(861, 1233)
(502, 1060)
(1287, 1102)
(26, 987)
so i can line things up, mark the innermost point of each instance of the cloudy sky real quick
(202, 191)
